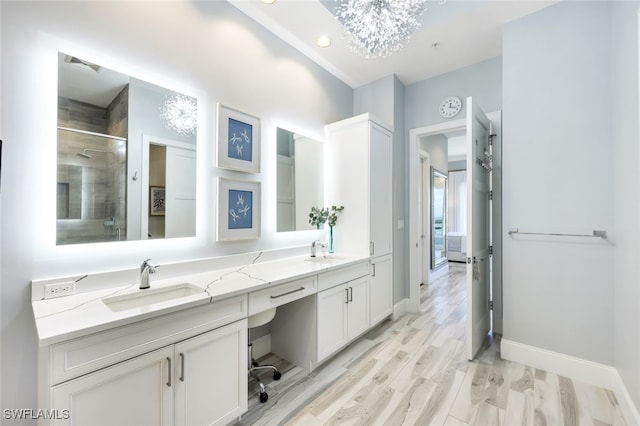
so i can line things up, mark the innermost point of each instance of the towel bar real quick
(596, 233)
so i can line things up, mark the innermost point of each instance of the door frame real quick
(413, 237)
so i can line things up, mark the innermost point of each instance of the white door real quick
(180, 195)
(136, 392)
(211, 376)
(358, 307)
(381, 289)
(332, 320)
(425, 217)
(478, 240)
(380, 191)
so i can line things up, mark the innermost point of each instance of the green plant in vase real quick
(332, 219)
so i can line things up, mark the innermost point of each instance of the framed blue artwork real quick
(238, 141)
(239, 204)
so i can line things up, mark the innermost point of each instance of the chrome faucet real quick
(145, 269)
(315, 245)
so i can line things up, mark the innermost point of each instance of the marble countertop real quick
(69, 317)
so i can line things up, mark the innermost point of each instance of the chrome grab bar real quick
(595, 234)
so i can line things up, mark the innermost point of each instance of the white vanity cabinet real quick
(211, 376)
(343, 314)
(134, 392)
(180, 369)
(342, 308)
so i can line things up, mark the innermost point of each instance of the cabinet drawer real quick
(80, 356)
(268, 298)
(340, 276)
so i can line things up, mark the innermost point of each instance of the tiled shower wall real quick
(91, 202)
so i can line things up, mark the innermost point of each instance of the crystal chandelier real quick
(180, 114)
(377, 28)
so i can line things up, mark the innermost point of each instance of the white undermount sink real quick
(140, 298)
(330, 258)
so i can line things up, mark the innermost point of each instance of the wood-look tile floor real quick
(413, 371)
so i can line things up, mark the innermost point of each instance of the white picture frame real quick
(239, 210)
(238, 140)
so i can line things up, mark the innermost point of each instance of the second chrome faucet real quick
(317, 244)
(145, 269)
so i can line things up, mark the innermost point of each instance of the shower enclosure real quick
(91, 187)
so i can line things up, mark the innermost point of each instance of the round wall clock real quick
(450, 107)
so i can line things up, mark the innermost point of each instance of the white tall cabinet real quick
(358, 166)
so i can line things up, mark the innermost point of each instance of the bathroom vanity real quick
(178, 355)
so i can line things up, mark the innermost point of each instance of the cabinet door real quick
(332, 320)
(136, 392)
(380, 185)
(358, 307)
(211, 376)
(381, 289)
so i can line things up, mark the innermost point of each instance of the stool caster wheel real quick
(276, 375)
(263, 397)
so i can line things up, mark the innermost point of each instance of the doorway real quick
(418, 240)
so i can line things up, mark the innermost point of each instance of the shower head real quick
(84, 154)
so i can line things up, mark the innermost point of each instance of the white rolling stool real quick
(256, 321)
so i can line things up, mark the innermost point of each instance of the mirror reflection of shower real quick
(91, 202)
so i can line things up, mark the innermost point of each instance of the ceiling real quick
(465, 32)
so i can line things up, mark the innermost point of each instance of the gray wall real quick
(483, 81)
(181, 45)
(558, 177)
(626, 190)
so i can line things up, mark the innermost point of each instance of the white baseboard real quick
(400, 308)
(261, 346)
(579, 369)
(629, 409)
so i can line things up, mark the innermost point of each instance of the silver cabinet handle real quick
(371, 247)
(350, 294)
(374, 270)
(181, 367)
(347, 301)
(169, 371)
(287, 293)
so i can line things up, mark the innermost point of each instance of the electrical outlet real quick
(59, 289)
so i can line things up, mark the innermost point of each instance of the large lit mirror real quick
(300, 179)
(126, 166)
(438, 218)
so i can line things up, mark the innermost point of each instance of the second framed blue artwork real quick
(239, 205)
(238, 140)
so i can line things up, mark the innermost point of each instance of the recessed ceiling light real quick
(323, 41)
(268, 1)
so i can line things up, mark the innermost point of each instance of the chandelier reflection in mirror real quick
(377, 28)
(180, 114)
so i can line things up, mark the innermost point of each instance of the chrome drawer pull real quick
(181, 367)
(287, 293)
(169, 370)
